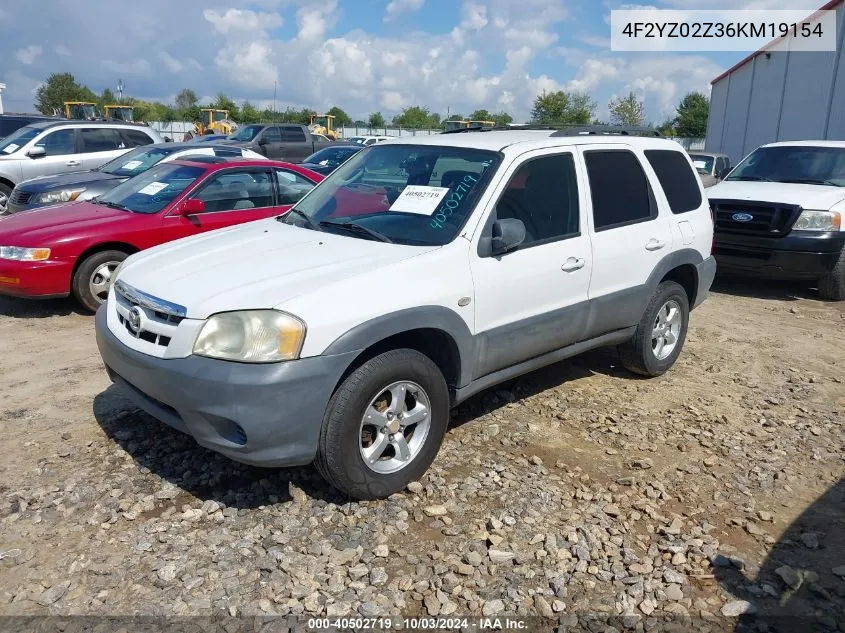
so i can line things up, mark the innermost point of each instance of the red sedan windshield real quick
(153, 190)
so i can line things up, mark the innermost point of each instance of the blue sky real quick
(363, 55)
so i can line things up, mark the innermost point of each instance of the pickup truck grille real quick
(145, 317)
(754, 218)
(20, 197)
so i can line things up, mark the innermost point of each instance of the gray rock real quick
(493, 607)
(378, 576)
(53, 594)
(435, 511)
(369, 609)
(543, 607)
(670, 575)
(674, 592)
(473, 558)
(738, 607)
(789, 576)
(500, 556)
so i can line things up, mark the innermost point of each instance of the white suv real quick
(419, 273)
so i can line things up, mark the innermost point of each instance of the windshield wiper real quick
(760, 178)
(810, 181)
(358, 228)
(308, 221)
(113, 205)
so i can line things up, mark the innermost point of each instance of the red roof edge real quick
(826, 7)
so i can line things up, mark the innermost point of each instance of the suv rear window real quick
(135, 138)
(619, 188)
(679, 182)
(101, 139)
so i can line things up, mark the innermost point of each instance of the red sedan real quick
(74, 248)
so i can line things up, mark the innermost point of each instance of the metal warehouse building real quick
(778, 95)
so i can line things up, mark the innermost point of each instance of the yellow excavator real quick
(81, 110)
(119, 113)
(214, 122)
(323, 124)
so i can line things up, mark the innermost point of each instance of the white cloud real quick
(62, 50)
(395, 8)
(28, 55)
(176, 66)
(475, 16)
(244, 21)
(315, 20)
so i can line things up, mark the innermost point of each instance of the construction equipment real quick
(214, 122)
(464, 124)
(81, 110)
(119, 113)
(323, 124)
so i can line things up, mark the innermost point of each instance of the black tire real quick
(637, 354)
(80, 285)
(832, 285)
(5, 192)
(339, 458)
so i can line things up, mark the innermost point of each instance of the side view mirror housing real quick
(37, 152)
(507, 234)
(192, 207)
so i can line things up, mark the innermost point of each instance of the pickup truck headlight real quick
(251, 336)
(19, 254)
(810, 220)
(116, 274)
(54, 197)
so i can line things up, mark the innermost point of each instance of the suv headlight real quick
(19, 254)
(251, 336)
(64, 195)
(810, 220)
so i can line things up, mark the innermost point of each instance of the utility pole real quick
(2, 88)
(275, 81)
(120, 87)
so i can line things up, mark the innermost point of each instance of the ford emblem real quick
(742, 217)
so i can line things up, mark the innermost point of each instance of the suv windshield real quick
(153, 190)
(410, 194)
(246, 133)
(703, 164)
(136, 161)
(794, 163)
(18, 139)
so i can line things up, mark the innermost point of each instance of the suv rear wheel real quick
(661, 333)
(832, 286)
(91, 280)
(384, 425)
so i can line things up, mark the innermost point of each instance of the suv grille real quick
(754, 218)
(20, 197)
(144, 317)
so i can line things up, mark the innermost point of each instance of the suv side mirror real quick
(37, 152)
(507, 235)
(192, 207)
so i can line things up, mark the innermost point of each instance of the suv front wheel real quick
(660, 334)
(384, 425)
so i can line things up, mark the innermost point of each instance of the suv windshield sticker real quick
(11, 148)
(419, 199)
(699, 164)
(454, 201)
(153, 188)
(132, 165)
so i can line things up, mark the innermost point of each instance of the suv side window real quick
(236, 189)
(271, 135)
(543, 194)
(101, 139)
(59, 143)
(294, 134)
(619, 188)
(135, 138)
(676, 177)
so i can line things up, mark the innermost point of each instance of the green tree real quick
(691, 116)
(457, 116)
(376, 119)
(186, 99)
(58, 88)
(502, 118)
(626, 110)
(223, 102)
(340, 117)
(249, 113)
(417, 117)
(563, 107)
(667, 128)
(481, 115)
(107, 98)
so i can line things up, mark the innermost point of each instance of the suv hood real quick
(66, 181)
(256, 265)
(820, 197)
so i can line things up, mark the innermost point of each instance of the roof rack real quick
(568, 130)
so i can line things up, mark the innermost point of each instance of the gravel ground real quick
(578, 489)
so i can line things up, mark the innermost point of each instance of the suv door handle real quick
(654, 244)
(72, 163)
(572, 264)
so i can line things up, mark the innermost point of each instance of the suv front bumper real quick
(798, 255)
(259, 414)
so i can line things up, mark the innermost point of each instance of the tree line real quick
(550, 108)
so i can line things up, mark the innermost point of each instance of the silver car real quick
(47, 148)
(711, 167)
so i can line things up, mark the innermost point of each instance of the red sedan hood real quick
(44, 226)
